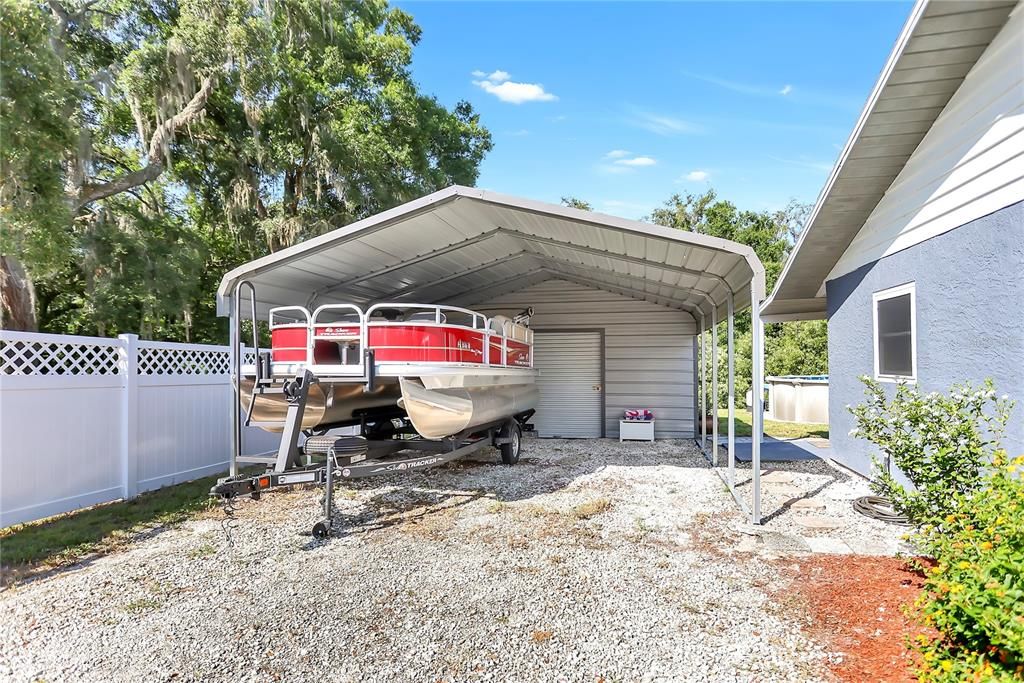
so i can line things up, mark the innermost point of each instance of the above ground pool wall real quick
(970, 321)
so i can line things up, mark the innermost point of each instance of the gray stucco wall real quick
(970, 321)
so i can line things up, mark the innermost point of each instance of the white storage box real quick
(636, 430)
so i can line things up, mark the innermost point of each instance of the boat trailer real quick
(324, 459)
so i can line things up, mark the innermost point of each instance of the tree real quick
(797, 348)
(692, 213)
(576, 203)
(34, 137)
(198, 134)
(321, 124)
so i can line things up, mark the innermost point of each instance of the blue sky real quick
(622, 104)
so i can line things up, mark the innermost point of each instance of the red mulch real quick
(854, 604)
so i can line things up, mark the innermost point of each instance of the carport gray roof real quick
(464, 246)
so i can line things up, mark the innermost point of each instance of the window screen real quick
(895, 341)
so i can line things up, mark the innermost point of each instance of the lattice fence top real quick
(158, 361)
(33, 353)
(44, 357)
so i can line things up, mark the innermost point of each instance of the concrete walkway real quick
(780, 450)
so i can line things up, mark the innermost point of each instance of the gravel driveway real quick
(579, 564)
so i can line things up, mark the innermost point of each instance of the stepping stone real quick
(828, 546)
(786, 543)
(747, 544)
(777, 477)
(787, 490)
(819, 522)
(807, 505)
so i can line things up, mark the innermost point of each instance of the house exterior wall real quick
(970, 321)
(970, 163)
(648, 348)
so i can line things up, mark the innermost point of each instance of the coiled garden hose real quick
(879, 508)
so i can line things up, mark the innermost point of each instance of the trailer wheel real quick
(510, 450)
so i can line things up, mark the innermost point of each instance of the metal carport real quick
(462, 245)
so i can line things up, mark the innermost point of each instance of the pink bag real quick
(639, 414)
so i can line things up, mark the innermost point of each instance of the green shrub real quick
(974, 595)
(941, 443)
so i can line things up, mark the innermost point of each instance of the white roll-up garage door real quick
(570, 383)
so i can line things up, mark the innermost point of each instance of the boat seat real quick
(425, 317)
(497, 323)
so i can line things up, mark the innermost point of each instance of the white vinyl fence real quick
(86, 420)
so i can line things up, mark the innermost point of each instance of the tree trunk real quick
(17, 297)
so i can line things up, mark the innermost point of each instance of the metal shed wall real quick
(648, 348)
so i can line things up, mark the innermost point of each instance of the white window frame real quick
(891, 293)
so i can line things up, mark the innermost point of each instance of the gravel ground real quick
(588, 561)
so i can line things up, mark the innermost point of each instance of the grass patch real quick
(205, 550)
(773, 428)
(642, 530)
(67, 538)
(591, 508)
(142, 605)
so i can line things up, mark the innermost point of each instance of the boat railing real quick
(338, 333)
(401, 315)
(334, 340)
(439, 315)
(289, 326)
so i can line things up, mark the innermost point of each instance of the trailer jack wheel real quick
(512, 442)
(320, 530)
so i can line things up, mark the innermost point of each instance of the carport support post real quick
(756, 399)
(703, 390)
(233, 407)
(732, 399)
(714, 385)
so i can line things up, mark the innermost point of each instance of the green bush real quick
(974, 595)
(941, 443)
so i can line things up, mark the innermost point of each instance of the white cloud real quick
(619, 161)
(477, 74)
(663, 125)
(637, 161)
(497, 83)
(697, 176)
(798, 95)
(735, 86)
(743, 88)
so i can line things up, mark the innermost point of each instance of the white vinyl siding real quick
(648, 348)
(894, 313)
(569, 380)
(970, 164)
